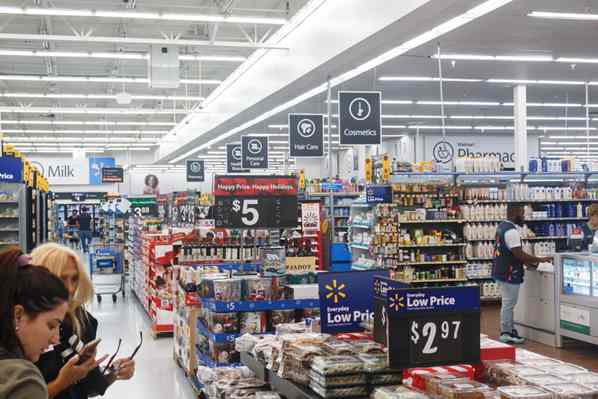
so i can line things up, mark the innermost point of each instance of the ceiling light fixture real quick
(94, 111)
(98, 96)
(78, 122)
(425, 79)
(564, 15)
(514, 58)
(100, 79)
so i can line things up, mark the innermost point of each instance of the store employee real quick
(589, 228)
(508, 269)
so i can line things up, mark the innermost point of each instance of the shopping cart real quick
(106, 270)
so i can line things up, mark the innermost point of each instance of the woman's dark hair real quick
(33, 287)
(154, 183)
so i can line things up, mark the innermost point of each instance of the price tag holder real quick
(256, 212)
(429, 327)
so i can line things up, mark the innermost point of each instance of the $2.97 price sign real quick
(433, 326)
(255, 201)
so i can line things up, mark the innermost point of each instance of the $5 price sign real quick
(248, 210)
(429, 332)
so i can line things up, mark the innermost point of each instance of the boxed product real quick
(336, 365)
(220, 323)
(337, 347)
(341, 392)
(223, 353)
(278, 284)
(571, 390)
(422, 378)
(496, 370)
(273, 260)
(297, 359)
(376, 365)
(515, 375)
(267, 395)
(303, 278)
(523, 354)
(327, 381)
(257, 288)
(543, 380)
(585, 378)
(253, 322)
(462, 388)
(302, 291)
(397, 392)
(367, 346)
(563, 369)
(541, 363)
(228, 290)
(523, 392)
(282, 317)
(291, 328)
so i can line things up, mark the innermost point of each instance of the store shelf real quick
(10, 230)
(359, 205)
(364, 267)
(441, 280)
(553, 219)
(469, 202)
(9, 217)
(433, 245)
(359, 246)
(480, 259)
(361, 226)
(341, 217)
(9, 202)
(448, 262)
(257, 306)
(440, 221)
(546, 238)
(488, 277)
(219, 338)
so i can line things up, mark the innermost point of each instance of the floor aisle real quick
(157, 376)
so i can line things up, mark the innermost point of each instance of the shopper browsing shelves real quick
(77, 335)
(589, 228)
(33, 303)
(508, 270)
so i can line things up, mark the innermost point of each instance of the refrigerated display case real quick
(576, 276)
(13, 216)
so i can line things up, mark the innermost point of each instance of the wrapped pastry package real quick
(338, 380)
(571, 391)
(345, 392)
(337, 365)
(461, 388)
(523, 392)
(397, 392)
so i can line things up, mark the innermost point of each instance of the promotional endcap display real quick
(254, 152)
(302, 179)
(234, 158)
(306, 135)
(386, 169)
(360, 117)
(369, 170)
(113, 175)
(195, 170)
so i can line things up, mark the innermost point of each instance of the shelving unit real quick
(337, 205)
(13, 216)
(360, 229)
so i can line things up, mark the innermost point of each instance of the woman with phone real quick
(66, 378)
(33, 304)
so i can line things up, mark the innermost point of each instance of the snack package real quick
(282, 317)
(432, 382)
(462, 389)
(257, 289)
(515, 375)
(278, 284)
(571, 391)
(273, 260)
(227, 290)
(338, 380)
(331, 393)
(585, 378)
(496, 370)
(373, 362)
(338, 347)
(421, 378)
(291, 328)
(523, 392)
(336, 365)
(267, 395)
(304, 278)
(397, 392)
(367, 346)
(563, 369)
(385, 378)
(220, 323)
(543, 380)
(224, 353)
(253, 322)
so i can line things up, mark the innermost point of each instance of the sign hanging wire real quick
(441, 92)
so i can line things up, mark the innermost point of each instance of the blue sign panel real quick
(95, 168)
(11, 170)
(434, 300)
(346, 300)
(378, 194)
(382, 286)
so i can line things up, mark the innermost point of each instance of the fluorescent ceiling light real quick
(95, 111)
(97, 96)
(83, 139)
(572, 137)
(100, 79)
(424, 79)
(577, 60)
(122, 14)
(540, 82)
(479, 57)
(76, 131)
(564, 15)
(79, 122)
(472, 14)
(465, 103)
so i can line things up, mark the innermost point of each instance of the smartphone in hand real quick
(88, 351)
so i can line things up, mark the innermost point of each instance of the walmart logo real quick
(396, 302)
(335, 291)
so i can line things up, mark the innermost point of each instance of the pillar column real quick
(520, 140)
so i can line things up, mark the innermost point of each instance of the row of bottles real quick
(489, 289)
(441, 273)
(413, 255)
(485, 194)
(478, 270)
(484, 212)
(541, 248)
(487, 164)
(523, 192)
(487, 231)
(563, 210)
(483, 250)
(195, 253)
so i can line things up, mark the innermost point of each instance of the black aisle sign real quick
(382, 285)
(195, 170)
(306, 135)
(112, 175)
(254, 152)
(359, 117)
(234, 158)
(255, 201)
(433, 326)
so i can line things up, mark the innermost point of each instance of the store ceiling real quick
(508, 31)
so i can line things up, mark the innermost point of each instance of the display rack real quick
(13, 216)
(361, 231)
(338, 211)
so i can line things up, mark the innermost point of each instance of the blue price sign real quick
(378, 194)
(346, 300)
(382, 286)
(11, 170)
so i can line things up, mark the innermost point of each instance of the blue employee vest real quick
(506, 266)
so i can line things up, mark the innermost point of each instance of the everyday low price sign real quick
(378, 194)
(346, 300)
(382, 286)
(11, 170)
(433, 326)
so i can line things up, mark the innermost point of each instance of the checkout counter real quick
(559, 303)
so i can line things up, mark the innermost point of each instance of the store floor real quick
(579, 353)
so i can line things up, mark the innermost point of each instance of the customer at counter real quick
(589, 228)
(508, 269)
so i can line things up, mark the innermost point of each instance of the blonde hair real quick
(592, 210)
(55, 258)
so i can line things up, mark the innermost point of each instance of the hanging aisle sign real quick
(306, 135)
(113, 175)
(254, 152)
(195, 170)
(360, 117)
(430, 327)
(255, 201)
(234, 158)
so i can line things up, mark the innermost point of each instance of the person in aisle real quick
(73, 220)
(33, 304)
(72, 227)
(79, 329)
(508, 269)
(85, 229)
(589, 228)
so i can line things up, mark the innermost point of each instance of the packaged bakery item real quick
(523, 392)
(253, 322)
(462, 388)
(397, 392)
(543, 380)
(539, 363)
(338, 380)
(515, 375)
(496, 370)
(337, 365)
(563, 369)
(571, 390)
(267, 395)
(367, 346)
(524, 354)
(585, 378)
(282, 317)
(491, 394)
(373, 362)
(432, 382)
(340, 392)
(385, 378)
(418, 377)
(257, 289)
(291, 328)
(338, 347)
(220, 323)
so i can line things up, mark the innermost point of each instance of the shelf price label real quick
(433, 326)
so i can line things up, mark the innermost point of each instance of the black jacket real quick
(51, 362)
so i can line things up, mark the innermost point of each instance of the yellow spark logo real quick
(396, 302)
(335, 291)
